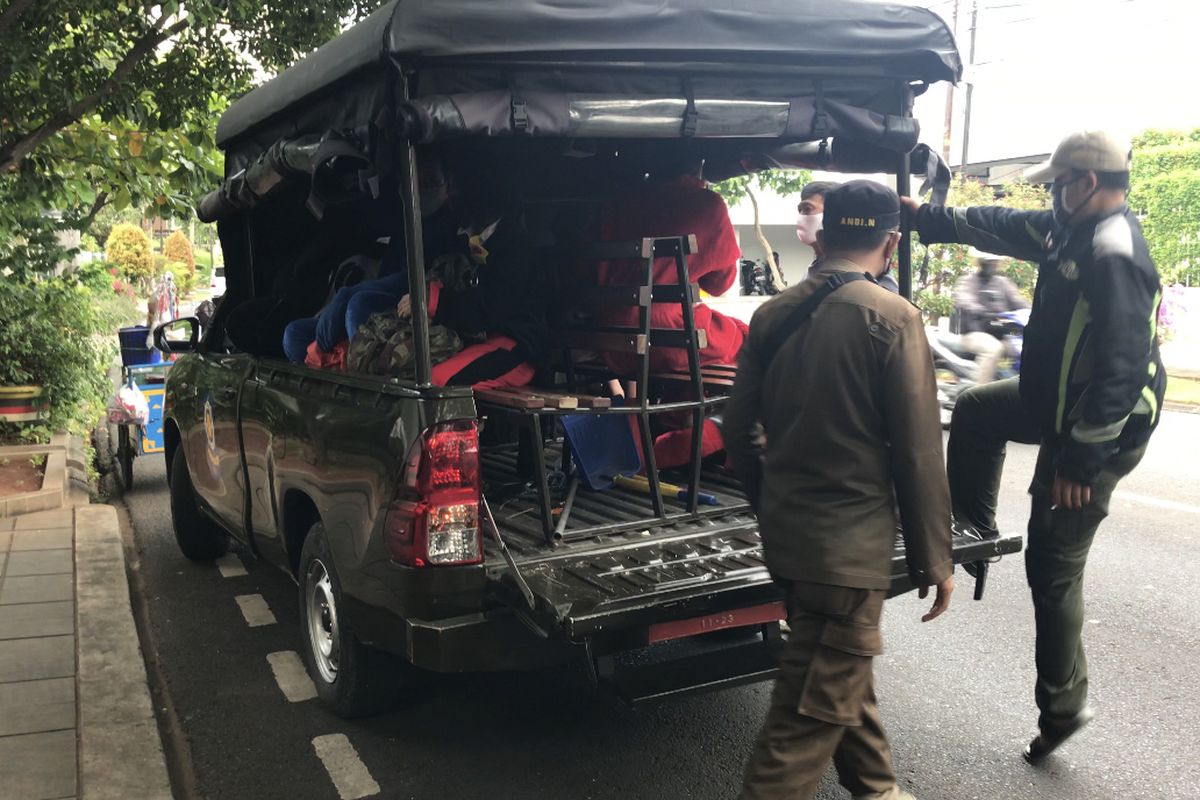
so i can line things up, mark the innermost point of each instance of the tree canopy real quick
(109, 102)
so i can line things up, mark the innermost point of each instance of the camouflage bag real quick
(384, 346)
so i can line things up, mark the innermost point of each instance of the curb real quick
(120, 752)
(1183, 408)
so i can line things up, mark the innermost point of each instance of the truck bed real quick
(647, 570)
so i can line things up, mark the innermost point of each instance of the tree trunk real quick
(762, 240)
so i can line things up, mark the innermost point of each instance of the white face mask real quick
(807, 226)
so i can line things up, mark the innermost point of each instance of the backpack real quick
(383, 345)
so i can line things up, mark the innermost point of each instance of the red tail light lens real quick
(451, 458)
(434, 520)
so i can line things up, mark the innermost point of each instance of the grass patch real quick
(1183, 390)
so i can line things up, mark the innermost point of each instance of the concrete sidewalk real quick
(75, 713)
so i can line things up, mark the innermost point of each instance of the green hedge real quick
(61, 333)
(1170, 204)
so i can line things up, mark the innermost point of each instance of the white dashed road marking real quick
(255, 610)
(1154, 501)
(291, 676)
(230, 566)
(349, 774)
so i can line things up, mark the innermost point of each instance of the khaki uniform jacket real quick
(852, 430)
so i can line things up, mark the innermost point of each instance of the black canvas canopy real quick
(467, 45)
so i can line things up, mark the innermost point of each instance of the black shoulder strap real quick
(802, 312)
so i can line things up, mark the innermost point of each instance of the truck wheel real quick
(198, 537)
(354, 679)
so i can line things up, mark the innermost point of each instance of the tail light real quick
(434, 520)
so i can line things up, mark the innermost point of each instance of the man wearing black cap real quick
(1091, 386)
(832, 423)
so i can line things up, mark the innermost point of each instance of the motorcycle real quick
(955, 366)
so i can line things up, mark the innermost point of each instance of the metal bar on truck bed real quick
(419, 302)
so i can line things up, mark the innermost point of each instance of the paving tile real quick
(40, 562)
(36, 693)
(38, 766)
(6, 523)
(57, 518)
(36, 717)
(37, 589)
(37, 659)
(50, 539)
(3, 559)
(5, 537)
(32, 620)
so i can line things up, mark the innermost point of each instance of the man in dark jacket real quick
(1089, 393)
(848, 406)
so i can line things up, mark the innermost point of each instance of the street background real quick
(956, 694)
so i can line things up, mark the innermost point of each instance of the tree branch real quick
(97, 205)
(10, 15)
(12, 153)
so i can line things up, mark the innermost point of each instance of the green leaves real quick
(97, 110)
(1165, 192)
(782, 182)
(63, 338)
(938, 267)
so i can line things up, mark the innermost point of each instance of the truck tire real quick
(198, 537)
(355, 680)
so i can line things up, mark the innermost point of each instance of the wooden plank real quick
(580, 400)
(609, 342)
(683, 377)
(512, 400)
(553, 400)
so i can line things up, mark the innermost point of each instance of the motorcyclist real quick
(979, 298)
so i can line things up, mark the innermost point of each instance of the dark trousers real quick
(985, 419)
(823, 706)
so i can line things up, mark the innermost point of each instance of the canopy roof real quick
(836, 39)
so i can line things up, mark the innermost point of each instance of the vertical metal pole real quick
(948, 126)
(904, 188)
(418, 298)
(970, 86)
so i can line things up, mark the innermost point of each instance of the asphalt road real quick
(956, 694)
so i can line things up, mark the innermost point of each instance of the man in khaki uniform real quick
(850, 429)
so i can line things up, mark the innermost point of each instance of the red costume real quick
(675, 208)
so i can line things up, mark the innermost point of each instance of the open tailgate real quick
(662, 577)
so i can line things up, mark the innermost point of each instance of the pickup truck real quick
(414, 548)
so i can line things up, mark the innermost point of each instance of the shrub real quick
(128, 249)
(185, 277)
(64, 338)
(178, 248)
(934, 304)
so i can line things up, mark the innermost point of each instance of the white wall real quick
(793, 256)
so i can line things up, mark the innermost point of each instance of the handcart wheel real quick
(125, 456)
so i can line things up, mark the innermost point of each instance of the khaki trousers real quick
(823, 705)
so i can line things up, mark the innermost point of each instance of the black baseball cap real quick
(861, 206)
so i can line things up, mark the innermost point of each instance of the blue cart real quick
(136, 440)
